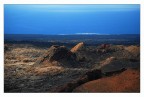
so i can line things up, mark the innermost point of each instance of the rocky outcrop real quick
(59, 55)
(104, 46)
(107, 61)
(127, 81)
(77, 47)
(135, 50)
(88, 76)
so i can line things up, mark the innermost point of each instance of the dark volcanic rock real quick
(58, 54)
(6, 48)
(94, 74)
(88, 76)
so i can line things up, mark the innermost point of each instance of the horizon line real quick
(70, 34)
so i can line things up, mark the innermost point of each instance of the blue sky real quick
(71, 19)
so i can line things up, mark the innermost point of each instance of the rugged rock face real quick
(88, 76)
(135, 50)
(127, 81)
(94, 74)
(60, 70)
(104, 46)
(77, 47)
(59, 55)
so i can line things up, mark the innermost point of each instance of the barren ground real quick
(21, 76)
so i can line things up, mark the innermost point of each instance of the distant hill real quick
(124, 39)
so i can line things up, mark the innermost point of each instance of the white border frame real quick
(2, 2)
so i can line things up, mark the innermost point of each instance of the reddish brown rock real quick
(104, 46)
(127, 81)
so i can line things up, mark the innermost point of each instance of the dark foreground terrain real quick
(71, 68)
